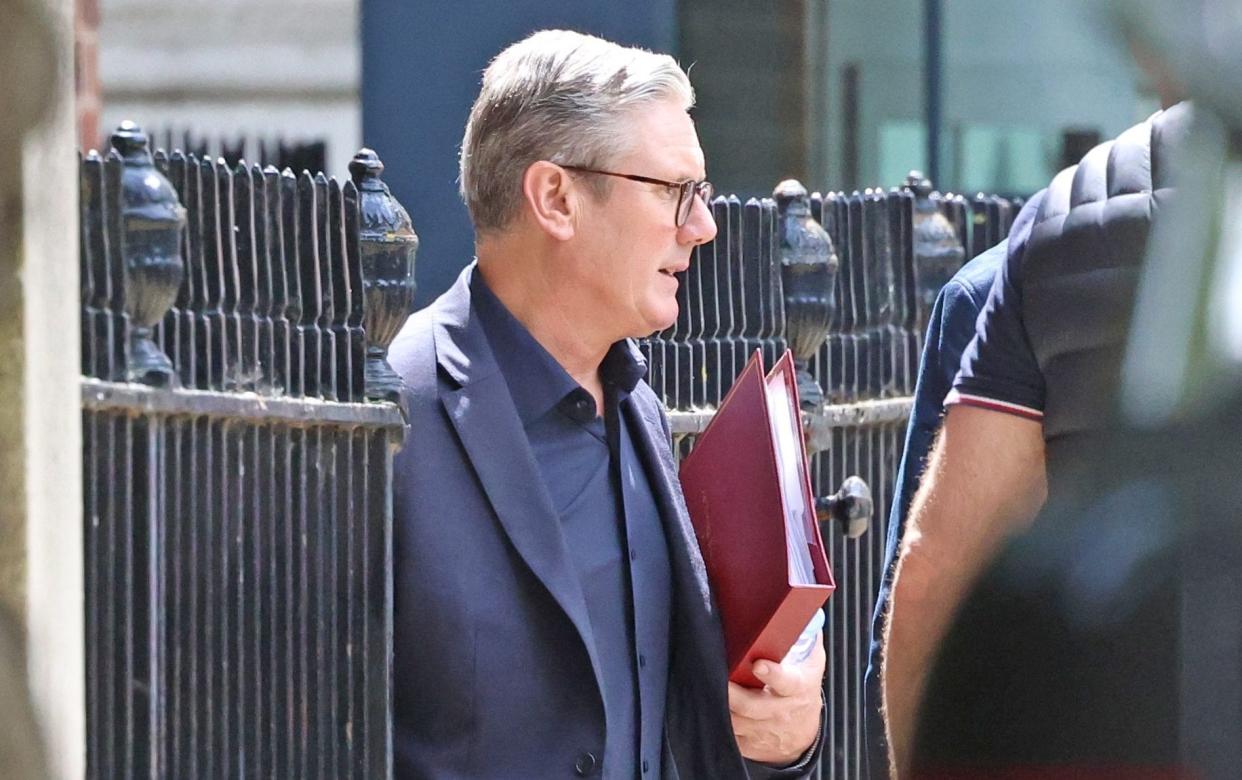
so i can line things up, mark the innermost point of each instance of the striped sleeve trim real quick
(955, 397)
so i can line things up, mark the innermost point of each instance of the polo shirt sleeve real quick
(998, 369)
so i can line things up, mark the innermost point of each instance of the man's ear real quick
(551, 196)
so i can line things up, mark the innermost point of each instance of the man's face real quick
(630, 246)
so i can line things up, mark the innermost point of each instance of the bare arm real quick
(985, 480)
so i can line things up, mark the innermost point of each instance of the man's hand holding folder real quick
(777, 723)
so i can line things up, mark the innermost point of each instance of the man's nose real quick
(700, 227)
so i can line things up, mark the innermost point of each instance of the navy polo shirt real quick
(999, 370)
(610, 522)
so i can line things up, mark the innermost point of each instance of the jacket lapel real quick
(486, 421)
(655, 448)
(698, 738)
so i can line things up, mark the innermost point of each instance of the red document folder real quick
(732, 484)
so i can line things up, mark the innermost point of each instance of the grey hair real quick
(559, 96)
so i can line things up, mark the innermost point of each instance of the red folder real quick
(732, 484)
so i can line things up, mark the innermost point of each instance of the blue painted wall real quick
(421, 66)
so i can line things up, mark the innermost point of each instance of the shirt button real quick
(585, 764)
(633, 555)
(646, 768)
(642, 661)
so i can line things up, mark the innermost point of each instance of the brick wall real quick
(86, 71)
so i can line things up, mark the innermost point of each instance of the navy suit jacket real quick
(494, 666)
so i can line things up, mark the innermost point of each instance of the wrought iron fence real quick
(296, 154)
(238, 441)
(853, 305)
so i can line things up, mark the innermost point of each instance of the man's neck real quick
(531, 293)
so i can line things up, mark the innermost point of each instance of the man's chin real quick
(654, 315)
(664, 322)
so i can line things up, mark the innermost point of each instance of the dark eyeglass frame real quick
(702, 188)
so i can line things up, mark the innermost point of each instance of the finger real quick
(818, 659)
(749, 702)
(757, 705)
(781, 679)
(757, 742)
(744, 728)
(750, 733)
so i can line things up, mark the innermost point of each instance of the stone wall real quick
(41, 652)
(233, 68)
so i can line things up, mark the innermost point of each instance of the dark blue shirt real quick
(610, 522)
(998, 369)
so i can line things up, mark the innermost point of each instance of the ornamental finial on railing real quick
(938, 251)
(809, 267)
(389, 245)
(152, 219)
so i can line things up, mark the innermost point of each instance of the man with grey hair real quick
(553, 617)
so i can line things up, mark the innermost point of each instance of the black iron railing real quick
(237, 465)
(296, 154)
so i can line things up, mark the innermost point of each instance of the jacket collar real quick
(482, 412)
(461, 345)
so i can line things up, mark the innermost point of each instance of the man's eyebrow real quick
(677, 179)
(692, 176)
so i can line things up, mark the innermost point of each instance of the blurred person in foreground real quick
(1106, 638)
(1036, 384)
(553, 617)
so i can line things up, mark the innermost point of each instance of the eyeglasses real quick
(685, 189)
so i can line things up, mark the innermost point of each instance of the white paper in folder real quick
(788, 458)
(797, 513)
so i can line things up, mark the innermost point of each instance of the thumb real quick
(782, 680)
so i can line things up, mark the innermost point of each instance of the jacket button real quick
(585, 765)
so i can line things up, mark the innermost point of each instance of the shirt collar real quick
(623, 367)
(536, 381)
